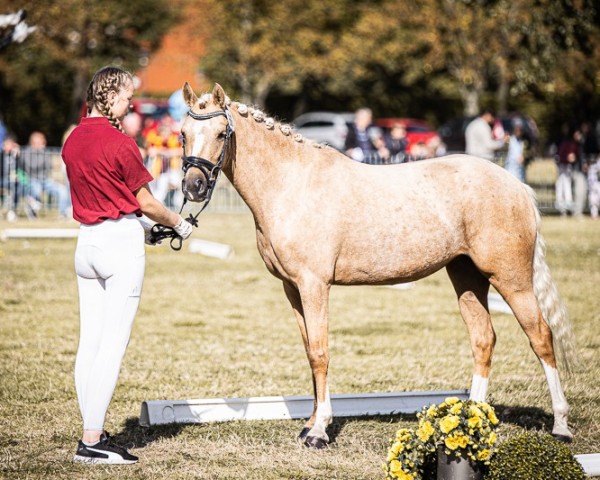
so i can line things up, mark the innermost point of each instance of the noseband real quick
(209, 170)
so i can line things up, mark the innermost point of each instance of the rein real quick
(210, 171)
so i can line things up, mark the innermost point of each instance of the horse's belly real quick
(381, 266)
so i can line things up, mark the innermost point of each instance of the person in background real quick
(364, 140)
(12, 189)
(38, 167)
(593, 176)
(396, 141)
(479, 138)
(589, 143)
(571, 188)
(109, 187)
(515, 156)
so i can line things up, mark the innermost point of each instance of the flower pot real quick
(455, 467)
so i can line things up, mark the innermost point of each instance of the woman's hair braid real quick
(105, 80)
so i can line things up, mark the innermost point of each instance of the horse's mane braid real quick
(261, 117)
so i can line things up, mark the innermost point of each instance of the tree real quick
(258, 45)
(43, 81)
(471, 46)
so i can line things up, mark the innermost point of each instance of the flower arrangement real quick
(463, 428)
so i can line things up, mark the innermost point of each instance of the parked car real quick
(325, 127)
(452, 132)
(417, 131)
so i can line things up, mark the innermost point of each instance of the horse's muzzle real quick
(194, 187)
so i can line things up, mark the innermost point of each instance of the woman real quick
(109, 189)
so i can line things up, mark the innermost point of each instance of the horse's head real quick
(206, 132)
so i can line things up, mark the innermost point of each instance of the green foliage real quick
(534, 456)
(44, 79)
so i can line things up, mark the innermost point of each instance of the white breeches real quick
(110, 263)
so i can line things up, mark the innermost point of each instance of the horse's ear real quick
(218, 95)
(189, 96)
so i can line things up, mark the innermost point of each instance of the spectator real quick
(593, 175)
(589, 144)
(396, 141)
(363, 139)
(37, 165)
(571, 183)
(164, 160)
(515, 157)
(479, 137)
(10, 186)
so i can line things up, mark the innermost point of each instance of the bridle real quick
(209, 170)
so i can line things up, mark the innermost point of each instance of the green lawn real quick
(210, 328)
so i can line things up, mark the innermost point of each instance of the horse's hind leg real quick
(311, 308)
(472, 289)
(526, 309)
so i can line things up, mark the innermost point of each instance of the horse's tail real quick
(553, 309)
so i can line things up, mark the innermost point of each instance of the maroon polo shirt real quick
(104, 167)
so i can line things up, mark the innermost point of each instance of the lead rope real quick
(159, 232)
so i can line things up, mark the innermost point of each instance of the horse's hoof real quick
(562, 438)
(303, 434)
(315, 442)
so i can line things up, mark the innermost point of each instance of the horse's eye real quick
(221, 136)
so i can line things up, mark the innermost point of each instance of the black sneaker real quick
(103, 452)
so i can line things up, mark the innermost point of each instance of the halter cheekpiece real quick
(209, 170)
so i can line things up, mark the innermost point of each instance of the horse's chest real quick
(267, 253)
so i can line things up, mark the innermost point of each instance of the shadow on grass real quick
(529, 418)
(134, 435)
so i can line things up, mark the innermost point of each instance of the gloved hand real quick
(183, 229)
(147, 226)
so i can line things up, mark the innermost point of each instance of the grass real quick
(222, 328)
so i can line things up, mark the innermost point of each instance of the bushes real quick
(534, 456)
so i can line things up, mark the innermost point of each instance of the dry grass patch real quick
(222, 328)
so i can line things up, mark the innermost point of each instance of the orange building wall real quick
(175, 62)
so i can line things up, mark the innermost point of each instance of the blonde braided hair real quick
(105, 80)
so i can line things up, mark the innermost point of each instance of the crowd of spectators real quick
(32, 176)
(368, 143)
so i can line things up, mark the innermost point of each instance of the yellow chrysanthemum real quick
(425, 431)
(449, 423)
(492, 417)
(475, 422)
(432, 411)
(456, 409)
(475, 411)
(403, 435)
(492, 438)
(452, 400)
(395, 467)
(483, 454)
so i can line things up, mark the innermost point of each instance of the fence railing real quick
(34, 183)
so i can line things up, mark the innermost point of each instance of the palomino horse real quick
(323, 219)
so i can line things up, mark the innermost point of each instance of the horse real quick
(323, 219)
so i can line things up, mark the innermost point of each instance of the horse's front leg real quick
(310, 304)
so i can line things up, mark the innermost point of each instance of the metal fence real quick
(34, 183)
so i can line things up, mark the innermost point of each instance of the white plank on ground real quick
(161, 412)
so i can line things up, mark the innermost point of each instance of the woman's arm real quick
(155, 210)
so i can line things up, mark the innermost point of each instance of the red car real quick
(416, 130)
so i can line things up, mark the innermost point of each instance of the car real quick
(325, 127)
(452, 132)
(417, 131)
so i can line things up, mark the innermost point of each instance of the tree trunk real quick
(470, 97)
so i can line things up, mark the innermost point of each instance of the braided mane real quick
(261, 117)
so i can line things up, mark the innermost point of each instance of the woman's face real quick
(121, 101)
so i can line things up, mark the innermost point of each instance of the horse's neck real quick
(262, 163)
